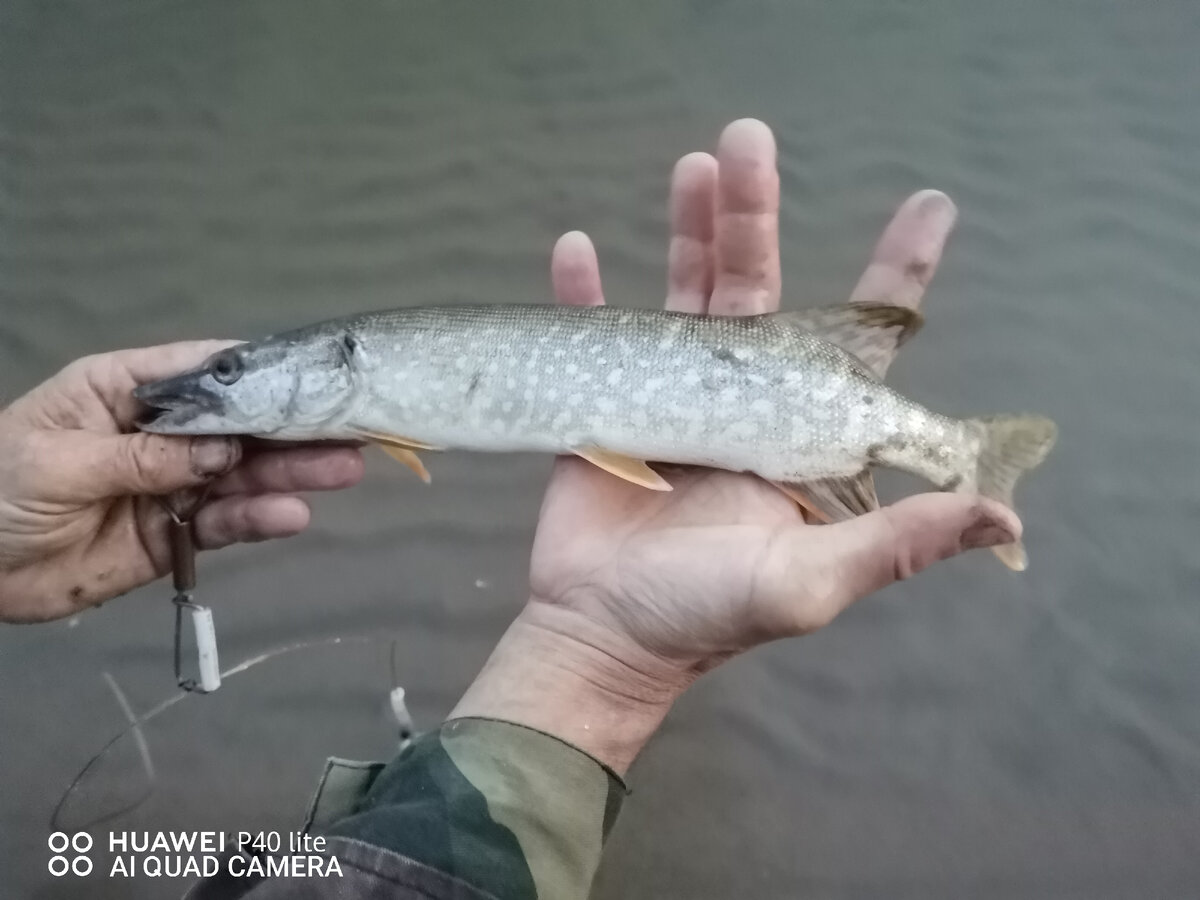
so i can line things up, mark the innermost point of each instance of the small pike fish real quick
(794, 397)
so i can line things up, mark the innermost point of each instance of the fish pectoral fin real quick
(834, 499)
(394, 440)
(1013, 555)
(871, 331)
(634, 470)
(408, 457)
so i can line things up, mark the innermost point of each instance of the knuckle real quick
(146, 461)
(821, 604)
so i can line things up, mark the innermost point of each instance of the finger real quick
(890, 544)
(690, 254)
(242, 519)
(907, 255)
(113, 376)
(747, 224)
(575, 271)
(293, 469)
(103, 466)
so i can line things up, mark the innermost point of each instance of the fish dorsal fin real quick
(871, 331)
(634, 470)
(834, 499)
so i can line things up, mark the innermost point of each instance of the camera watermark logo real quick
(70, 853)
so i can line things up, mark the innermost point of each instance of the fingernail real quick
(212, 456)
(986, 532)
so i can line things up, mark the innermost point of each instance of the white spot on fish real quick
(741, 429)
(641, 398)
(763, 407)
(614, 377)
(605, 404)
(743, 353)
(559, 353)
(691, 378)
(574, 399)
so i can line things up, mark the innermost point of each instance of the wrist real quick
(559, 672)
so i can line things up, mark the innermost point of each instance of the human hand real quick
(634, 592)
(78, 519)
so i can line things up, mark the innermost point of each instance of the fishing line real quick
(136, 723)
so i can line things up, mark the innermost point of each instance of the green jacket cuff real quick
(513, 811)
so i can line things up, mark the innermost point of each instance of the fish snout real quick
(173, 403)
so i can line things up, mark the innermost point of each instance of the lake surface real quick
(172, 170)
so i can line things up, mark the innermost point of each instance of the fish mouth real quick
(173, 403)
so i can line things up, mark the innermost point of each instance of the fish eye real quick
(227, 367)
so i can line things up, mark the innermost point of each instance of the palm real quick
(640, 557)
(722, 562)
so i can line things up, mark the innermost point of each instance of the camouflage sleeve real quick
(509, 810)
(478, 810)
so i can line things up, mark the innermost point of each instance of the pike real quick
(794, 397)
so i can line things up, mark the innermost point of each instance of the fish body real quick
(796, 398)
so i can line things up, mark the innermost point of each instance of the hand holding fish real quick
(77, 522)
(635, 593)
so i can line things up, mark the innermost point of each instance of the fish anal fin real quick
(394, 440)
(873, 332)
(796, 492)
(834, 499)
(408, 457)
(633, 470)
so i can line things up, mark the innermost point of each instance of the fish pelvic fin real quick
(834, 499)
(632, 470)
(873, 332)
(1009, 447)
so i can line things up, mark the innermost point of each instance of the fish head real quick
(285, 387)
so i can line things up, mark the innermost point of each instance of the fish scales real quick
(740, 393)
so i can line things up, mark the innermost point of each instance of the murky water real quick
(173, 170)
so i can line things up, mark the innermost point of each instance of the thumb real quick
(143, 463)
(890, 544)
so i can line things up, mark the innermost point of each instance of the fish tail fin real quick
(1009, 446)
